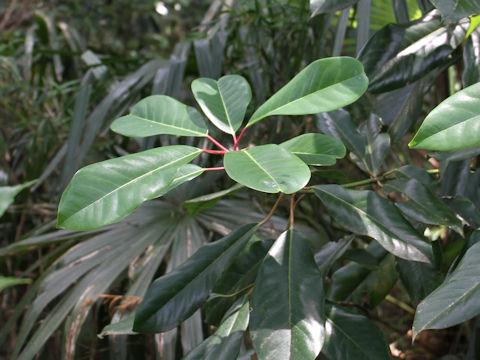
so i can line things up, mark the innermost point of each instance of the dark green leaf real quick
(324, 85)
(287, 302)
(340, 125)
(354, 282)
(106, 192)
(466, 209)
(160, 114)
(471, 59)
(366, 213)
(402, 53)
(419, 279)
(422, 205)
(455, 10)
(353, 336)
(315, 149)
(452, 124)
(175, 296)
(267, 168)
(224, 101)
(237, 279)
(456, 300)
(331, 252)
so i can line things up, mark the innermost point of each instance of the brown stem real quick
(270, 214)
(291, 218)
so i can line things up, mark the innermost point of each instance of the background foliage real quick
(68, 70)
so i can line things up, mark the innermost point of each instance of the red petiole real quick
(219, 152)
(214, 168)
(217, 143)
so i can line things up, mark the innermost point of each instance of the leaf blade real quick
(224, 101)
(324, 85)
(267, 168)
(105, 192)
(148, 117)
(286, 320)
(175, 296)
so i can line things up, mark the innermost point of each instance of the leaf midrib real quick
(269, 113)
(348, 337)
(128, 183)
(225, 108)
(449, 306)
(374, 220)
(450, 128)
(169, 125)
(178, 293)
(262, 168)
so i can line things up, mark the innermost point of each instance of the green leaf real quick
(340, 125)
(194, 206)
(226, 341)
(455, 10)
(353, 336)
(324, 85)
(8, 193)
(331, 252)
(316, 149)
(453, 124)
(287, 302)
(237, 279)
(268, 168)
(106, 192)
(399, 54)
(356, 283)
(224, 101)
(160, 114)
(123, 327)
(471, 59)
(422, 205)
(6, 282)
(177, 295)
(366, 213)
(419, 279)
(456, 300)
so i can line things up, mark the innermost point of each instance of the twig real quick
(270, 214)
(291, 218)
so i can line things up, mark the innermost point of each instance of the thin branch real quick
(235, 145)
(219, 152)
(216, 143)
(214, 168)
(291, 218)
(270, 214)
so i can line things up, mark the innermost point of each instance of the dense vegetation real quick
(310, 168)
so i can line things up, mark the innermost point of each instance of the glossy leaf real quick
(160, 114)
(287, 302)
(402, 53)
(175, 296)
(8, 193)
(237, 279)
(366, 213)
(226, 341)
(123, 327)
(267, 168)
(316, 149)
(422, 205)
(456, 300)
(340, 125)
(419, 279)
(106, 192)
(353, 336)
(454, 124)
(331, 252)
(324, 85)
(356, 283)
(471, 59)
(455, 10)
(224, 101)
